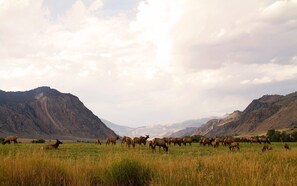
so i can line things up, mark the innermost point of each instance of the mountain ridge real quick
(267, 112)
(44, 112)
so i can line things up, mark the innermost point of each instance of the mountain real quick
(47, 113)
(156, 130)
(184, 132)
(267, 112)
(119, 129)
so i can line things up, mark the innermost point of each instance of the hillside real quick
(267, 112)
(47, 113)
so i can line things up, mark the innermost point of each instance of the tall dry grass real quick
(89, 164)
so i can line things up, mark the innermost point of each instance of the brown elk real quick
(228, 141)
(98, 141)
(263, 139)
(112, 140)
(167, 140)
(124, 140)
(160, 143)
(143, 139)
(234, 145)
(206, 141)
(287, 147)
(9, 139)
(140, 140)
(177, 141)
(129, 142)
(266, 148)
(216, 143)
(53, 146)
(188, 140)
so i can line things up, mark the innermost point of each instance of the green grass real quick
(91, 164)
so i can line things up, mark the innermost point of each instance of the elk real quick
(9, 139)
(188, 140)
(129, 142)
(140, 140)
(158, 142)
(204, 141)
(263, 139)
(216, 143)
(287, 147)
(124, 139)
(167, 140)
(112, 140)
(177, 141)
(228, 141)
(266, 148)
(234, 145)
(98, 141)
(143, 139)
(53, 146)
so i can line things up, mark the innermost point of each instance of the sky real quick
(143, 62)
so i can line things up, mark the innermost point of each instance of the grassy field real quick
(91, 164)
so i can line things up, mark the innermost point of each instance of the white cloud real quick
(173, 60)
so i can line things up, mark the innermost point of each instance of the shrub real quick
(128, 172)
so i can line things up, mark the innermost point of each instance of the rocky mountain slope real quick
(47, 113)
(268, 112)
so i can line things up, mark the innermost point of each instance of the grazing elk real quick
(124, 140)
(287, 147)
(160, 143)
(143, 139)
(53, 146)
(171, 140)
(244, 139)
(98, 141)
(216, 143)
(129, 142)
(167, 140)
(234, 145)
(177, 141)
(206, 141)
(228, 141)
(266, 148)
(9, 139)
(188, 140)
(140, 140)
(255, 140)
(112, 140)
(263, 139)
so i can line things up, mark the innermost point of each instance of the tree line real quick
(277, 136)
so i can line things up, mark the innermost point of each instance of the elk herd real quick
(165, 142)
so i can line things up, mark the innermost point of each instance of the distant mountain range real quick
(267, 112)
(47, 113)
(157, 130)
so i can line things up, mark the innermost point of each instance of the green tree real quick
(285, 137)
(270, 133)
(276, 137)
(294, 136)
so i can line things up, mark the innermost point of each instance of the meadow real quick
(93, 164)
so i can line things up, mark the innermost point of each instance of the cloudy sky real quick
(141, 62)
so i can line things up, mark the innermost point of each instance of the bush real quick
(38, 141)
(1, 140)
(128, 172)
